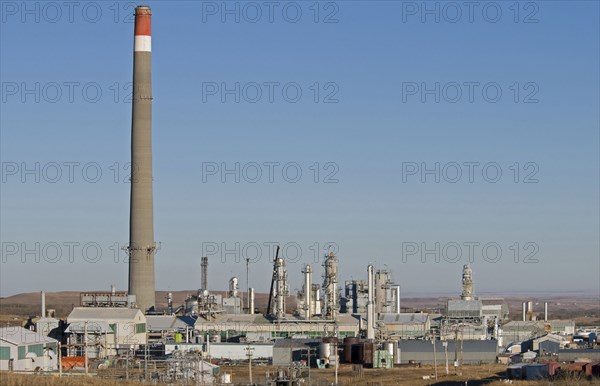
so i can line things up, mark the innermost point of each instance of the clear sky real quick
(517, 89)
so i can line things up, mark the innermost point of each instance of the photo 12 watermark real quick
(66, 252)
(69, 172)
(471, 172)
(470, 12)
(270, 92)
(456, 92)
(255, 251)
(270, 12)
(65, 92)
(69, 12)
(469, 252)
(253, 172)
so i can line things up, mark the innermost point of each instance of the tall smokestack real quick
(545, 311)
(141, 224)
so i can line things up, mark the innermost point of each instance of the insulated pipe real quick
(43, 315)
(307, 291)
(370, 313)
(398, 309)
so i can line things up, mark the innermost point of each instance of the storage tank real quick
(389, 347)
(324, 350)
(368, 349)
(348, 343)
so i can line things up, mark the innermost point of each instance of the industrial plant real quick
(329, 322)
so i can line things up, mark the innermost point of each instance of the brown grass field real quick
(492, 375)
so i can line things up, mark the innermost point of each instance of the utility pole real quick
(85, 353)
(337, 361)
(250, 349)
(202, 368)
(60, 360)
(434, 357)
(446, 354)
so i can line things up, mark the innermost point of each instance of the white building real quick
(25, 350)
(114, 328)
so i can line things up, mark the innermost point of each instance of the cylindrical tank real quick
(357, 353)
(324, 350)
(396, 353)
(367, 353)
(389, 347)
(348, 343)
(330, 339)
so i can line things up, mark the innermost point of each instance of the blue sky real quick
(367, 61)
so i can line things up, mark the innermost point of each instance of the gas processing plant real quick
(328, 322)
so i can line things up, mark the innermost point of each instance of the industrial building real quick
(106, 331)
(517, 331)
(467, 351)
(25, 350)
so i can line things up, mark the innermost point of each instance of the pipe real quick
(141, 222)
(43, 304)
(307, 291)
(398, 309)
(251, 290)
(370, 313)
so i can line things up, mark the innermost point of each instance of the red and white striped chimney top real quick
(143, 39)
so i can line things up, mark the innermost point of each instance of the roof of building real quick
(342, 319)
(405, 318)
(95, 327)
(296, 343)
(165, 323)
(19, 335)
(104, 313)
(520, 325)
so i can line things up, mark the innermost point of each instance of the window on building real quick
(4, 353)
(21, 352)
(140, 328)
(37, 349)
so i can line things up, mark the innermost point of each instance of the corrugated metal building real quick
(346, 325)
(548, 344)
(407, 325)
(516, 330)
(578, 354)
(287, 351)
(238, 351)
(25, 350)
(473, 351)
(163, 328)
(127, 324)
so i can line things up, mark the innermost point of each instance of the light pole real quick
(250, 349)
